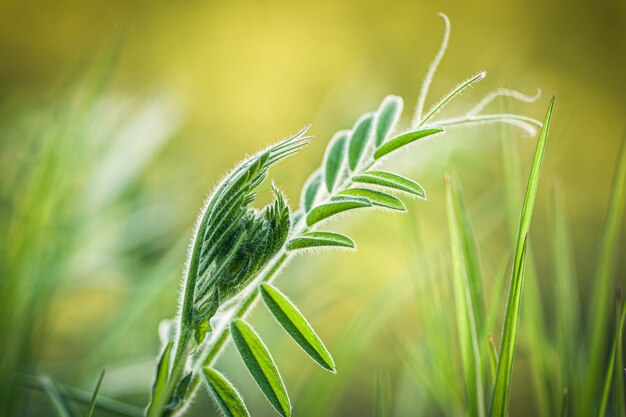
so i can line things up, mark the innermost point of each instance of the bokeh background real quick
(117, 118)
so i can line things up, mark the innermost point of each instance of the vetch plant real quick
(237, 251)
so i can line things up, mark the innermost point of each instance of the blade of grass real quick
(58, 402)
(610, 368)
(566, 298)
(500, 399)
(465, 307)
(85, 397)
(94, 398)
(604, 273)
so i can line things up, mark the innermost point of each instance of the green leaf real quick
(224, 394)
(94, 397)
(606, 271)
(610, 372)
(60, 405)
(403, 140)
(378, 198)
(386, 117)
(310, 190)
(319, 239)
(502, 386)
(335, 158)
(259, 362)
(294, 323)
(465, 308)
(390, 180)
(324, 211)
(358, 141)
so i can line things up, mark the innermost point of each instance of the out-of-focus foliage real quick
(105, 162)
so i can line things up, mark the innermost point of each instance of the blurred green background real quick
(117, 118)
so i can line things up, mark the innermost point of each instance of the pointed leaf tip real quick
(387, 117)
(296, 325)
(358, 141)
(390, 180)
(378, 198)
(261, 365)
(320, 239)
(327, 210)
(400, 141)
(334, 159)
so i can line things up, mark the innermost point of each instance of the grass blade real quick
(296, 325)
(259, 362)
(500, 398)
(386, 118)
(327, 210)
(310, 190)
(361, 134)
(320, 239)
(104, 403)
(465, 310)
(335, 158)
(390, 180)
(57, 400)
(600, 308)
(611, 365)
(378, 198)
(403, 140)
(224, 394)
(94, 398)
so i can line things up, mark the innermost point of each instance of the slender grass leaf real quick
(618, 369)
(566, 295)
(610, 369)
(403, 140)
(465, 309)
(224, 394)
(359, 140)
(310, 190)
(324, 211)
(378, 198)
(390, 180)
(94, 398)
(259, 362)
(294, 323)
(57, 400)
(386, 118)
(493, 357)
(564, 403)
(85, 397)
(319, 239)
(335, 158)
(600, 306)
(501, 390)
(383, 394)
(470, 255)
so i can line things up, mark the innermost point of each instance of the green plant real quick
(563, 360)
(236, 251)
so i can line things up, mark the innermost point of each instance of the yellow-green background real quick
(232, 77)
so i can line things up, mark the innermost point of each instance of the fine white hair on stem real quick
(528, 124)
(421, 100)
(503, 92)
(455, 92)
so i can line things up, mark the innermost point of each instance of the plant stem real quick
(210, 354)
